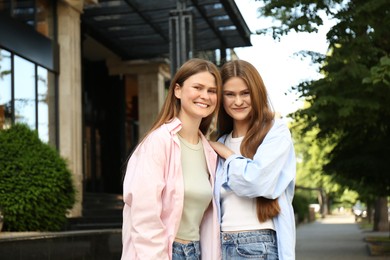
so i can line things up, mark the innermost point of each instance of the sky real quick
(275, 60)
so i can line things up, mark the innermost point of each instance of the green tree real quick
(312, 155)
(350, 104)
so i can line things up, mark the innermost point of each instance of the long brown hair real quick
(260, 122)
(172, 105)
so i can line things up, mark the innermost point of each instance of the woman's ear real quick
(177, 91)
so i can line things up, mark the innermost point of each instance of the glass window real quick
(5, 5)
(45, 18)
(5, 90)
(24, 11)
(24, 92)
(28, 91)
(43, 107)
(36, 13)
(46, 106)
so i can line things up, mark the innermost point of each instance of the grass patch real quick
(364, 224)
(373, 239)
(378, 245)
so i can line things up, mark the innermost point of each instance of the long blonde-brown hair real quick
(172, 105)
(260, 122)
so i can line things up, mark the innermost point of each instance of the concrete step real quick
(100, 211)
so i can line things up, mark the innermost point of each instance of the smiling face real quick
(237, 99)
(198, 96)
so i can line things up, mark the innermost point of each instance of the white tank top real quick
(239, 213)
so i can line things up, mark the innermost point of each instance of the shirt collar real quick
(174, 125)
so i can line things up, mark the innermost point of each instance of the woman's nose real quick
(204, 94)
(238, 100)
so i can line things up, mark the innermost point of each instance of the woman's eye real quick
(212, 91)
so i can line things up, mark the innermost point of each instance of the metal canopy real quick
(139, 29)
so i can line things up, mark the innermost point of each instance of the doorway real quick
(104, 114)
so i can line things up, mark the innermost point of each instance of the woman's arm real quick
(269, 173)
(221, 149)
(143, 187)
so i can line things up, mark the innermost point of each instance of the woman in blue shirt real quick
(255, 177)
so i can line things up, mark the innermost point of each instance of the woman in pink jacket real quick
(169, 210)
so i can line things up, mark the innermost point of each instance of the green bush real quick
(36, 188)
(301, 206)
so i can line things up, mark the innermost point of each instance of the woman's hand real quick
(221, 149)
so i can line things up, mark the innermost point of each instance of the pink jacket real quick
(153, 192)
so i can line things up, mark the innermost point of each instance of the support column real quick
(181, 35)
(70, 106)
(151, 77)
(151, 97)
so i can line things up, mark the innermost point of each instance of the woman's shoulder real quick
(222, 138)
(166, 130)
(280, 125)
(158, 135)
(278, 130)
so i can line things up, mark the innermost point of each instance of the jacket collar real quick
(174, 125)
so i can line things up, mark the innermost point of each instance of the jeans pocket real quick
(258, 250)
(252, 250)
(272, 251)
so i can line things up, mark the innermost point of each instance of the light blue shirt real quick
(271, 174)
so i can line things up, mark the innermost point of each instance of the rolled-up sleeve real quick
(271, 170)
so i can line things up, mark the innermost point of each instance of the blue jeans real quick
(258, 244)
(190, 251)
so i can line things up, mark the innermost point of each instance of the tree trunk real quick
(329, 205)
(381, 218)
(369, 210)
(322, 199)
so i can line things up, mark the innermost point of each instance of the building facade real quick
(91, 76)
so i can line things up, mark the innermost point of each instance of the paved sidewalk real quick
(335, 237)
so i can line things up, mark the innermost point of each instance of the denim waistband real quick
(263, 235)
(191, 248)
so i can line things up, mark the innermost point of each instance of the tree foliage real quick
(351, 104)
(312, 154)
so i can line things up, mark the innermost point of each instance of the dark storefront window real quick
(36, 13)
(45, 18)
